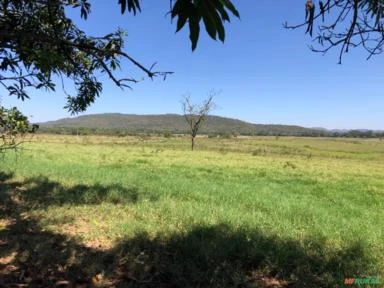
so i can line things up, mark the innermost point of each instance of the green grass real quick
(303, 212)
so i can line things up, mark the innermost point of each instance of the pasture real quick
(148, 212)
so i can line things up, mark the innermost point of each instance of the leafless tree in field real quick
(196, 114)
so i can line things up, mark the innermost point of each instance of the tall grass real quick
(301, 211)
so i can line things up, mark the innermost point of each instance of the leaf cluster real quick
(213, 13)
(38, 42)
(13, 126)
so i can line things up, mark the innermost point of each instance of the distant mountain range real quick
(116, 123)
(172, 123)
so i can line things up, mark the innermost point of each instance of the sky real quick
(262, 74)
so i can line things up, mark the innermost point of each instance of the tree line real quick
(164, 132)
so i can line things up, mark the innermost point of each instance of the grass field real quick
(147, 212)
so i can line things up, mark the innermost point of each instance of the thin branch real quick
(8, 35)
(286, 26)
(359, 32)
(13, 78)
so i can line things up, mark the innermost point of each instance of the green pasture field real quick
(148, 212)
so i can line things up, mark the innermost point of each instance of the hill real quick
(168, 123)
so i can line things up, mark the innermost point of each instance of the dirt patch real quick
(82, 229)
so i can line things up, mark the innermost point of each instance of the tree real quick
(13, 127)
(195, 115)
(345, 24)
(38, 41)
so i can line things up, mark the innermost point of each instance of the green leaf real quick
(194, 30)
(83, 13)
(207, 12)
(219, 24)
(134, 5)
(228, 4)
(181, 22)
(123, 5)
(138, 5)
(223, 13)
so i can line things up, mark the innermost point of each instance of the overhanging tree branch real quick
(38, 41)
(351, 23)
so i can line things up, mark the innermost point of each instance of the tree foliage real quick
(13, 127)
(213, 13)
(345, 24)
(38, 41)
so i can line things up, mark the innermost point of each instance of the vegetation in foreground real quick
(147, 212)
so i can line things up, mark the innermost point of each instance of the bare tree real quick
(196, 114)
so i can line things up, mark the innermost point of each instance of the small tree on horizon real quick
(196, 114)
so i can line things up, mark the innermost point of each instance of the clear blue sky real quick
(266, 74)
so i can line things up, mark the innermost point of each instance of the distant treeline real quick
(169, 133)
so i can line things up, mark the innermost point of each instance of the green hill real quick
(168, 123)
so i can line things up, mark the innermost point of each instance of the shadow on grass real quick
(5, 176)
(42, 191)
(204, 256)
